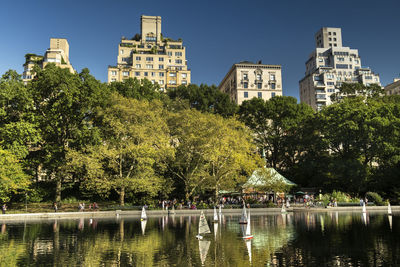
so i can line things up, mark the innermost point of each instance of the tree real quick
(134, 148)
(12, 176)
(138, 89)
(276, 124)
(205, 98)
(210, 152)
(64, 103)
(357, 89)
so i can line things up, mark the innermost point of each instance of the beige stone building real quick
(246, 80)
(151, 56)
(393, 88)
(330, 65)
(58, 53)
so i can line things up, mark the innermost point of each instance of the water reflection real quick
(292, 239)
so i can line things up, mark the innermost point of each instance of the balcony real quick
(319, 84)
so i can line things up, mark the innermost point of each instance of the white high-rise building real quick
(330, 65)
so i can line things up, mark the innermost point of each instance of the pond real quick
(292, 239)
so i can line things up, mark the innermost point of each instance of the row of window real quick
(259, 85)
(177, 54)
(153, 74)
(272, 77)
(259, 94)
(161, 82)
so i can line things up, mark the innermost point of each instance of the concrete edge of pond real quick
(157, 213)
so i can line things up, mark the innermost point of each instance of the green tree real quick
(138, 89)
(12, 176)
(357, 89)
(133, 151)
(205, 98)
(64, 104)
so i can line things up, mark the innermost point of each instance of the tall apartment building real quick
(152, 56)
(246, 80)
(330, 65)
(393, 88)
(58, 53)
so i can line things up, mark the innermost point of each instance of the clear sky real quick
(216, 33)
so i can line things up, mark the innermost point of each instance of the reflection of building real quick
(393, 88)
(58, 53)
(151, 56)
(330, 65)
(246, 80)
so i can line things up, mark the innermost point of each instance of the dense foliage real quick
(65, 135)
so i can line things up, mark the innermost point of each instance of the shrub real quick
(375, 197)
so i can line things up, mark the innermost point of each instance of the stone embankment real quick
(157, 213)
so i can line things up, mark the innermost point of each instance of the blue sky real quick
(216, 33)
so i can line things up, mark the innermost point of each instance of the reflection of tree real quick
(10, 251)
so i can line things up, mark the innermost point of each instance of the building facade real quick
(151, 56)
(246, 80)
(330, 65)
(58, 53)
(393, 88)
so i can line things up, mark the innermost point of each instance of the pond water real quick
(293, 239)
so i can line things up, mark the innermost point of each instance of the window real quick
(178, 54)
(272, 94)
(273, 86)
(342, 66)
(149, 58)
(172, 74)
(245, 85)
(330, 39)
(320, 59)
(258, 77)
(113, 72)
(150, 39)
(331, 90)
(153, 81)
(146, 74)
(153, 74)
(259, 85)
(329, 76)
(329, 33)
(160, 59)
(335, 44)
(161, 74)
(137, 73)
(334, 39)
(112, 80)
(259, 94)
(169, 54)
(178, 61)
(122, 52)
(125, 59)
(246, 94)
(334, 33)
(172, 82)
(161, 82)
(184, 75)
(138, 66)
(138, 58)
(330, 83)
(184, 82)
(272, 77)
(125, 73)
(245, 76)
(340, 59)
(161, 66)
(149, 66)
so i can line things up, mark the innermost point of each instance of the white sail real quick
(248, 245)
(248, 230)
(143, 225)
(283, 210)
(215, 215)
(203, 225)
(220, 210)
(364, 209)
(215, 230)
(204, 245)
(389, 209)
(143, 216)
(243, 219)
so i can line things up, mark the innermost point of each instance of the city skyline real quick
(216, 36)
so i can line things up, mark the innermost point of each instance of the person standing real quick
(55, 206)
(4, 208)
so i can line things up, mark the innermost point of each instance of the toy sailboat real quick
(203, 226)
(364, 209)
(248, 234)
(143, 217)
(215, 215)
(243, 219)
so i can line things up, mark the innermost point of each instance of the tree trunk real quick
(58, 190)
(216, 194)
(122, 196)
